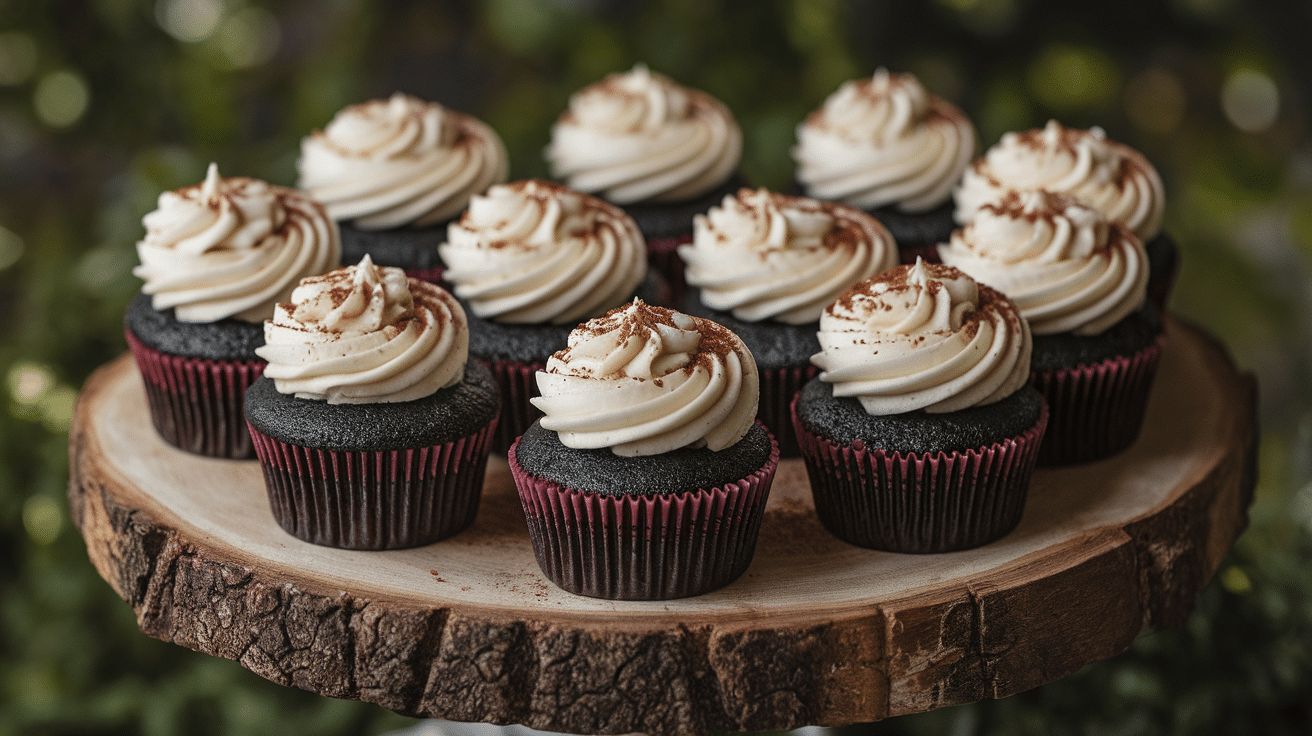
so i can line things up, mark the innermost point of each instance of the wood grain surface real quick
(815, 632)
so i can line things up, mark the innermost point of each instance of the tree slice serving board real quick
(815, 632)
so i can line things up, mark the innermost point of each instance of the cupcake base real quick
(375, 476)
(194, 375)
(646, 546)
(921, 501)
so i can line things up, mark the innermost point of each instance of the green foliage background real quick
(106, 103)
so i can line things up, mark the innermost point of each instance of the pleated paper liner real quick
(1096, 410)
(663, 258)
(778, 389)
(920, 502)
(518, 383)
(635, 547)
(375, 500)
(196, 404)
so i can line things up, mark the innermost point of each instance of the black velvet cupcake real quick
(1081, 282)
(647, 477)
(370, 424)
(395, 173)
(767, 265)
(920, 435)
(850, 151)
(530, 260)
(651, 171)
(195, 327)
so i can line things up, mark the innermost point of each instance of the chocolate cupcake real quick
(662, 151)
(532, 259)
(395, 172)
(1081, 283)
(1109, 176)
(889, 147)
(647, 476)
(920, 434)
(766, 265)
(215, 259)
(371, 426)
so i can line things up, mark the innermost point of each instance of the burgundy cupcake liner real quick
(920, 502)
(634, 547)
(663, 258)
(196, 404)
(1096, 410)
(778, 389)
(518, 383)
(431, 275)
(907, 255)
(391, 499)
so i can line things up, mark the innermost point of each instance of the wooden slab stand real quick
(816, 631)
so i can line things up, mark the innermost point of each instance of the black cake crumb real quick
(448, 414)
(843, 421)
(408, 248)
(1134, 333)
(540, 453)
(227, 339)
(774, 345)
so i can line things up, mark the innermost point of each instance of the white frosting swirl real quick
(366, 334)
(1066, 268)
(534, 252)
(640, 137)
(232, 248)
(884, 141)
(924, 336)
(400, 162)
(1108, 176)
(643, 380)
(762, 255)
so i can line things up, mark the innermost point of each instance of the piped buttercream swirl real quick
(884, 141)
(640, 137)
(232, 247)
(365, 334)
(1111, 177)
(923, 337)
(763, 255)
(644, 380)
(400, 162)
(536, 252)
(1063, 264)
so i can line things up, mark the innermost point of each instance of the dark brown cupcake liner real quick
(920, 502)
(390, 499)
(196, 404)
(778, 389)
(1096, 410)
(518, 383)
(635, 547)
(663, 258)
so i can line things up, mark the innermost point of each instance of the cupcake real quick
(661, 151)
(215, 259)
(889, 147)
(647, 476)
(1104, 174)
(921, 432)
(394, 172)
(371, 426)
(766, 265)
(1080, 282)
(532, 259)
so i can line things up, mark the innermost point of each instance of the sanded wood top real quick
(815, 632)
